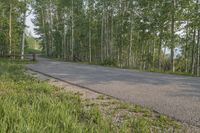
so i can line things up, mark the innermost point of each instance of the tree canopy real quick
(149, 35)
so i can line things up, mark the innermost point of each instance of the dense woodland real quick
(153, 35)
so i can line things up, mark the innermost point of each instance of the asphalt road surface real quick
(175, 96)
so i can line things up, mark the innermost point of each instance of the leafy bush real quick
(109, 62)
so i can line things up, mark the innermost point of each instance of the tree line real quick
(13, 15)
(149, 35)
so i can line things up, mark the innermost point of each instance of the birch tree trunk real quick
(23, 34)
(90, 44)
(186, 52)
(111, 38)
(45, 34)
(193, 52)
(198, 53)
(102, 37)
(72, 34)
(172, 36)
(198, 47)
(159, 50)
(10, 29)
(51, 27)
(90, 39)
(64, 40)
(131, 44)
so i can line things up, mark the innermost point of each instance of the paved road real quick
(176, 96)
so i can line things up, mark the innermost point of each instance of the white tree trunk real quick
(10, 29)
(198, 53)
(72, 45)
(23, 35)
(102, 38)
(90, 45)
(130, 45)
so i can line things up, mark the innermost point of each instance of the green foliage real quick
(109, 62)
(31, 51)
(137, 34)
(11, 26)
(32, 43)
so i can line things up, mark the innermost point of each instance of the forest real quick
(148, 35)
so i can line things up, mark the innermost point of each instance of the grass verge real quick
(30, 105)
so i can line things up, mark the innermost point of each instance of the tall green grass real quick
(28, 105)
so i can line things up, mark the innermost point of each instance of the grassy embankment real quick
(30, 105)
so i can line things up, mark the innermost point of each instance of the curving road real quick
(175, 96)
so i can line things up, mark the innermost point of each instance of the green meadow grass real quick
(28, 105)
(33, 106)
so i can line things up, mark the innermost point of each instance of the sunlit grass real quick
(30, 105)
